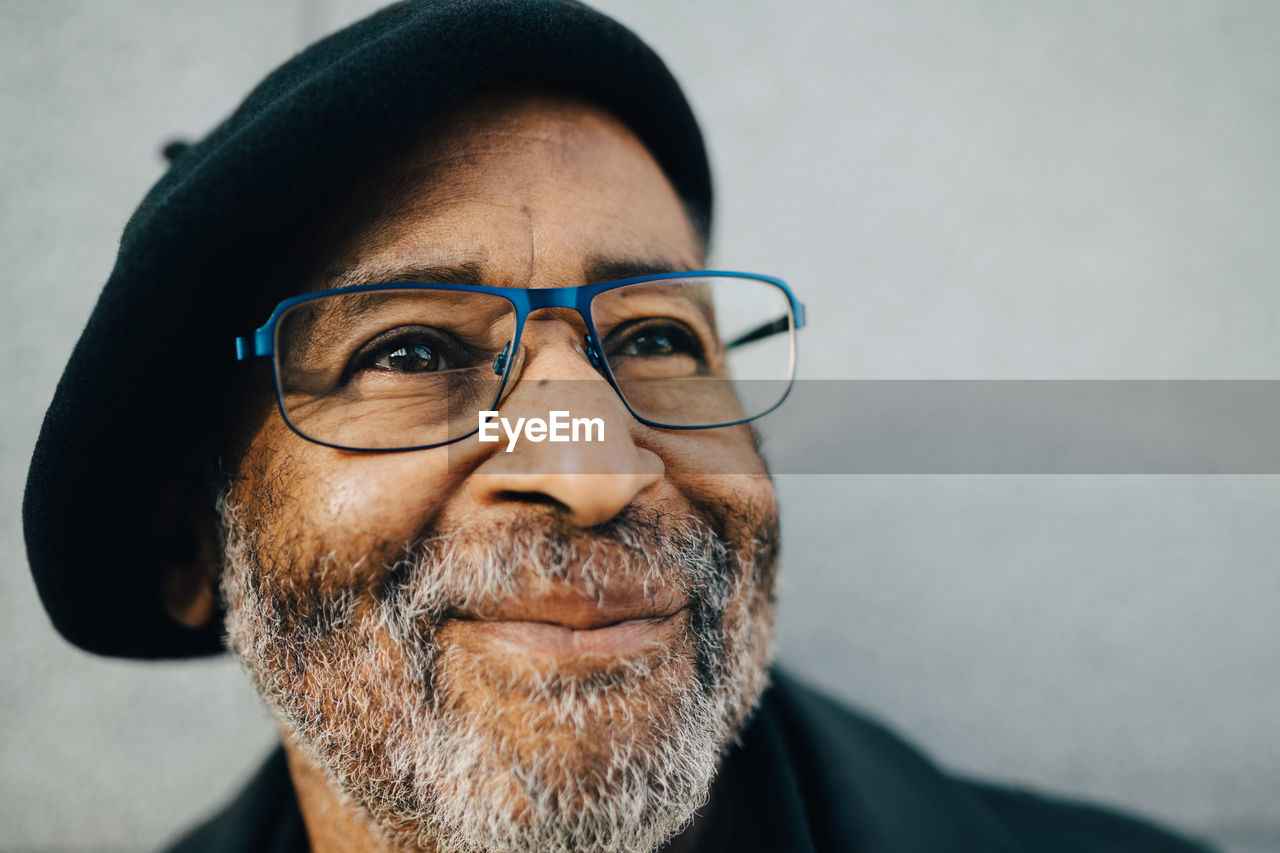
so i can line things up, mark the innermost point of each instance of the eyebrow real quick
(466, 272)
(613, 269)
(595, 270)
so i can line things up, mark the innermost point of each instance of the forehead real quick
(514, 186)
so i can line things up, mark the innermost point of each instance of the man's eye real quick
(654, 340)
(407, 352)
(408, 358)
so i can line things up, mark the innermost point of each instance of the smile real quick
(570, 624)
(549, 638)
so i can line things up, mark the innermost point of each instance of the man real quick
(448, 213)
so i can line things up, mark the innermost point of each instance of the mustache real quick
(486, 566)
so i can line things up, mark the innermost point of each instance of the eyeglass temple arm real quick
(252, 346)
(773, 327)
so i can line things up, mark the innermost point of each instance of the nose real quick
(598, 470)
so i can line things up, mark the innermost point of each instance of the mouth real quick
(565, 624)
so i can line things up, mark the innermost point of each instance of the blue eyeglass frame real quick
(261, 343)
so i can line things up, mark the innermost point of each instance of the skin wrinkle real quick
(347, 575)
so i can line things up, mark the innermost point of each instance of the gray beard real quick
(612, 758)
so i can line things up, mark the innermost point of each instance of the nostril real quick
(531, 499)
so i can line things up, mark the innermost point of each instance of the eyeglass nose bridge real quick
(509, 362)
(575, 299)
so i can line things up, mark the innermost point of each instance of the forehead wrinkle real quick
(397, 246)
(444, 170)
(427, 177)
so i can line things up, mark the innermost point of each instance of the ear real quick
(187, 554)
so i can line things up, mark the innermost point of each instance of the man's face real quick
(546, 649)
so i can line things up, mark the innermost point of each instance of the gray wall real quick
(977, 189)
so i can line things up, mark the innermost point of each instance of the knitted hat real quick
(164, 321)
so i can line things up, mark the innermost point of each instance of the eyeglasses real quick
(408, 366)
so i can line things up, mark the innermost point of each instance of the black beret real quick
(161, 326)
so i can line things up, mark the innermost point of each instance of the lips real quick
(566, 622)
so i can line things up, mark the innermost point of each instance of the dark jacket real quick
(810, 776)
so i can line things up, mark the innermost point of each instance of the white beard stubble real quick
(544, 759)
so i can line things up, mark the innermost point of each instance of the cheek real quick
(304, 504)
(711, 459)
(378, 497)
(721, 475)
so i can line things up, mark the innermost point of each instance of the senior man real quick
(450, 212)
